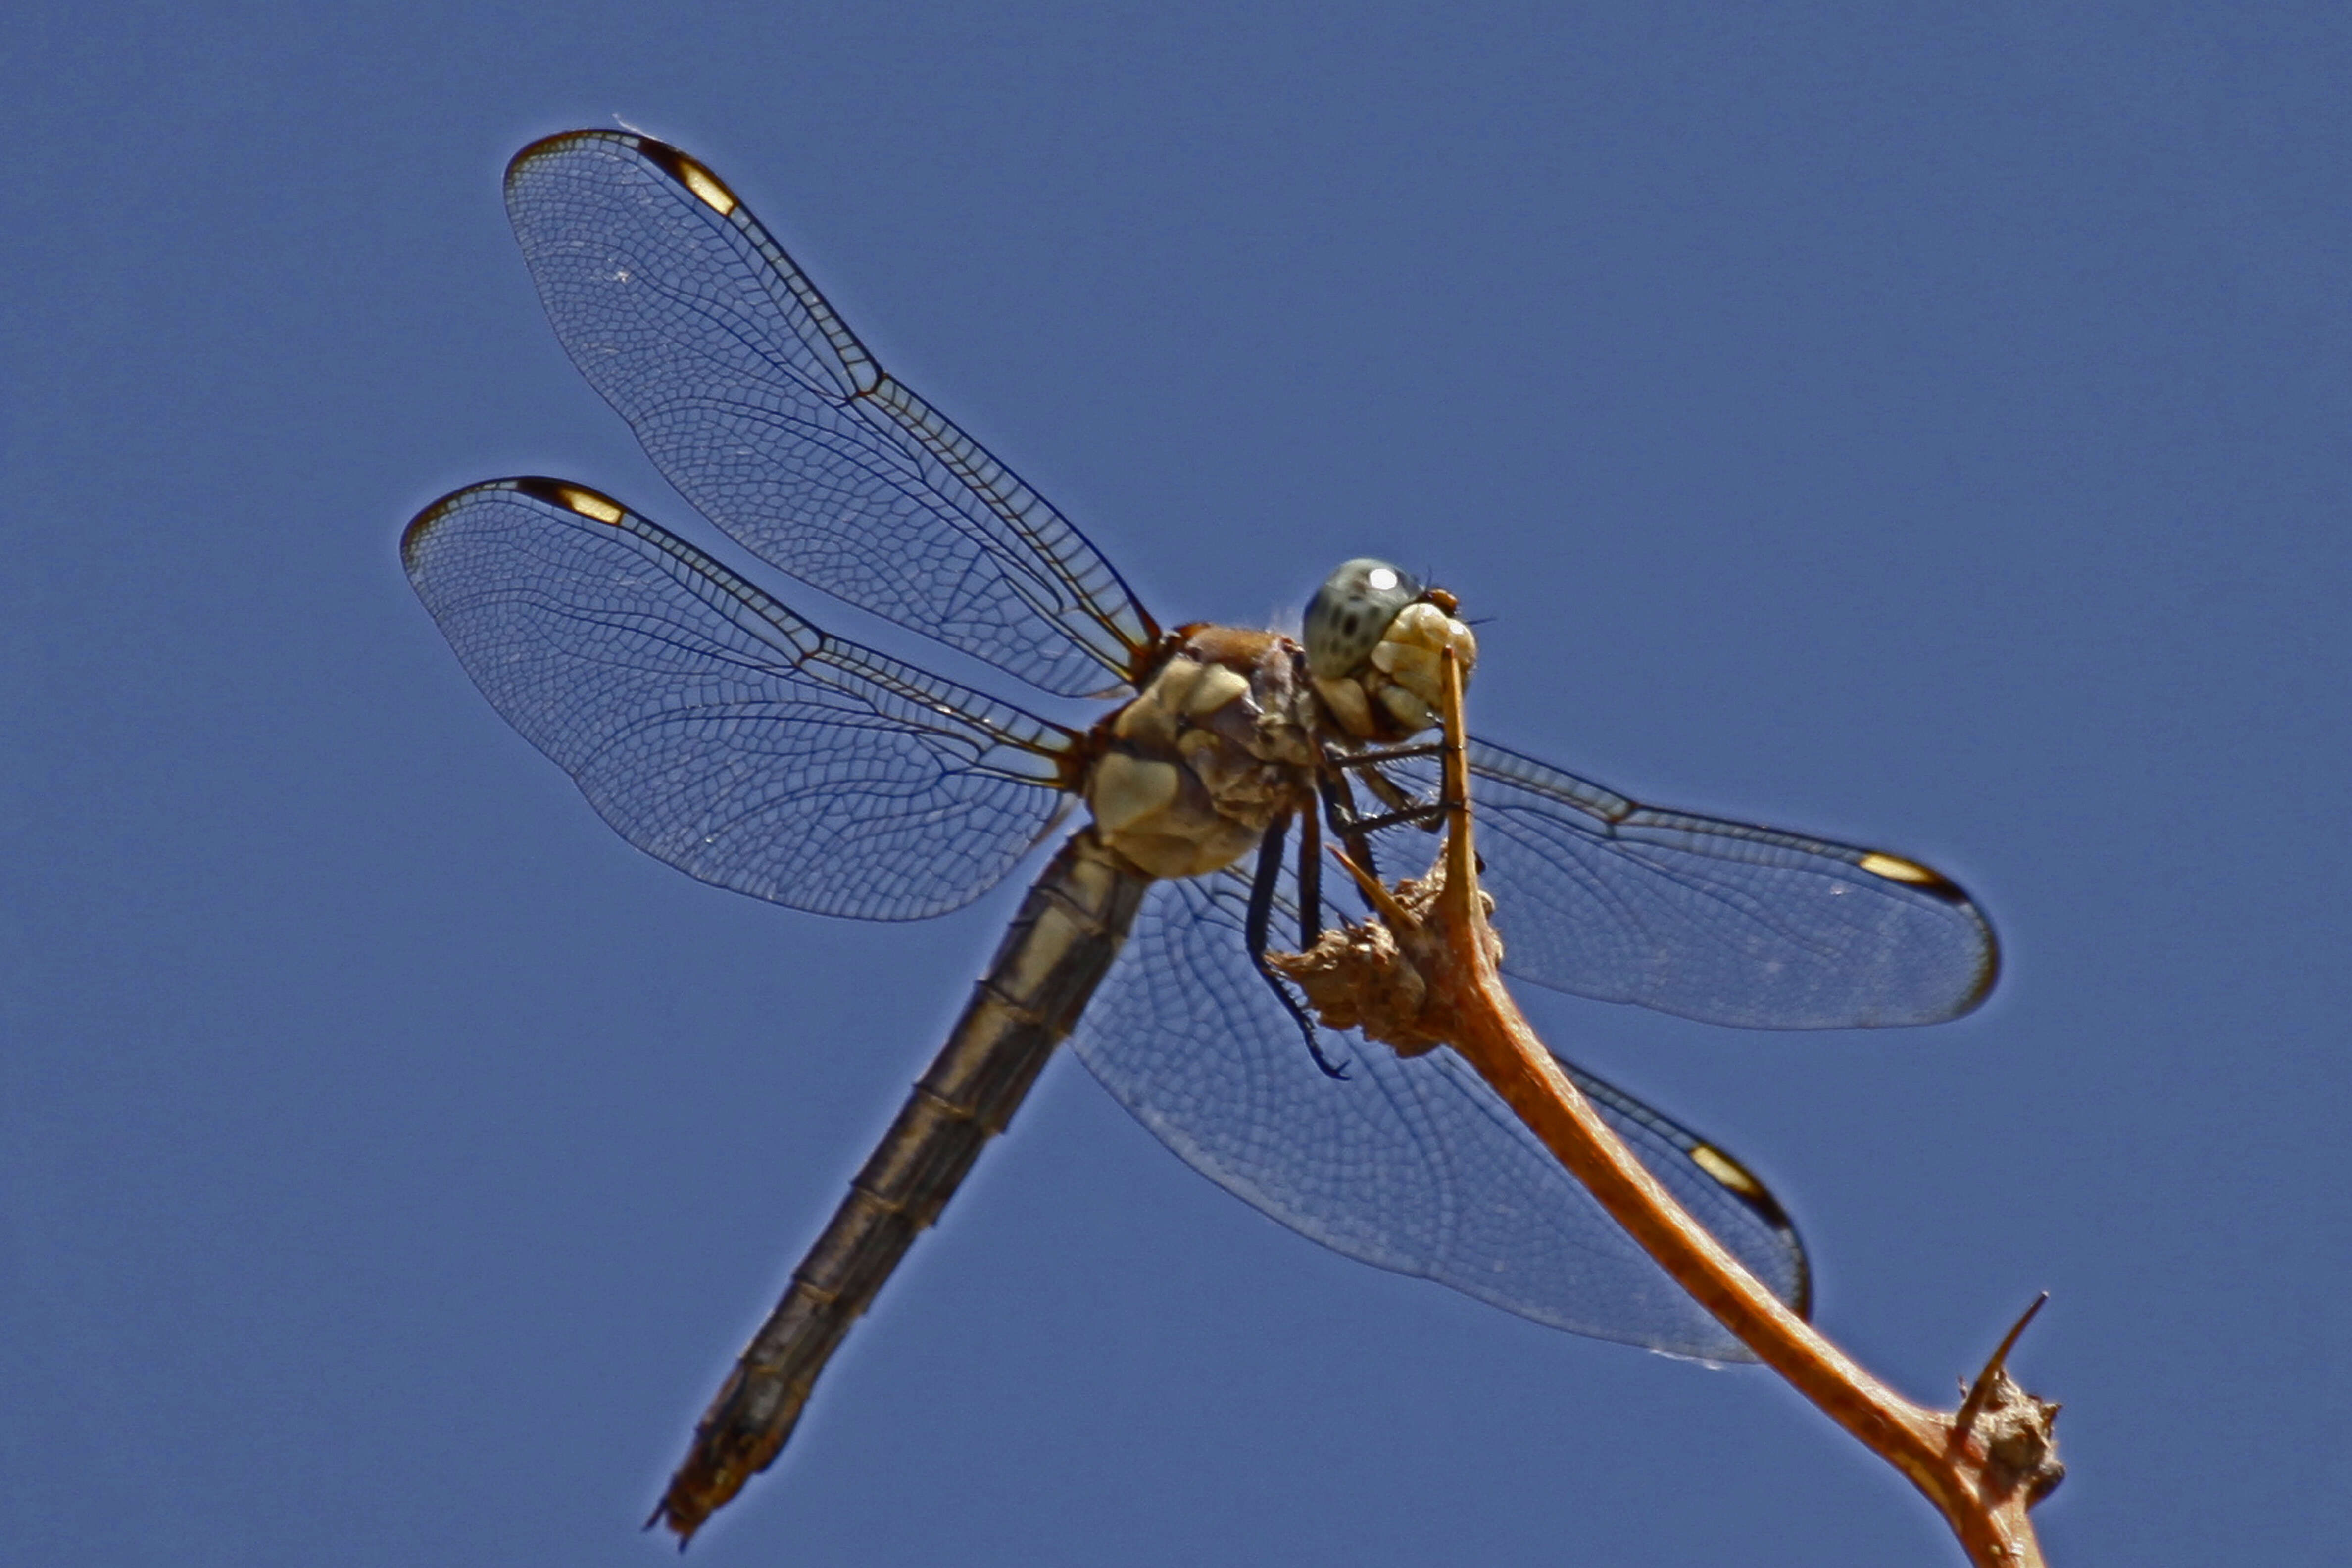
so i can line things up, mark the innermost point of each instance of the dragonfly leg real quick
(1254, 932)
(1339, 809)
(1422, 814)
(1339, 804)
(1429, 816)
(1374, 757)
(1310, 879)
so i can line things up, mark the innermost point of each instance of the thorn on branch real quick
(2015, 1429)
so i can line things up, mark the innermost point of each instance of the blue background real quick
(1921, 428)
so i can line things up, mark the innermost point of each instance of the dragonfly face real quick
(720, 732)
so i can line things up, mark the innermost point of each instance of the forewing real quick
(714, 729)
(766, 413)
(1410, 1164)
(1605, 897)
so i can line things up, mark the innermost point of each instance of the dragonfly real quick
(724, 733)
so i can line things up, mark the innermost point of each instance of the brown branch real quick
(1983, 1466)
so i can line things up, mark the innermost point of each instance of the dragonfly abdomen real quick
(1067, 932)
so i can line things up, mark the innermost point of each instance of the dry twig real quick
(1423, 973)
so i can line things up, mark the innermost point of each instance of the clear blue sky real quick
(1928, 429)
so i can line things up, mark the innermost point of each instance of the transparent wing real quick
(758, 404)
(1410, 1164)
(717, 730)
(1605, 897)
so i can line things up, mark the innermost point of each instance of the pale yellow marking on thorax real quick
(1127, 789)
(1217, 685)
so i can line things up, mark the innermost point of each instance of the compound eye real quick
(1349, 612)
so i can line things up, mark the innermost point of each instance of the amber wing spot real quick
(1897, 869)
(573, 498)
(1910, 873)
(1726, 1170)
(707, 186)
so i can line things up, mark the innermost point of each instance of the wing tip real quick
(1988, 970)
(420, 526)
(563, 141)
(548, 146)
(1926, 880)
(563, 494)
(683, 169)
(1742, 1186)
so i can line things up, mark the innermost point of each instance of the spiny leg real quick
(1373, 756)
(1253, 935)
(1310, 879)
(1427, 817)
(1340, 800)
(1340, 810)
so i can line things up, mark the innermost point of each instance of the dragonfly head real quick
(1375, 640)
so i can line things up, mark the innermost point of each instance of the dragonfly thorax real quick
(1220, 743)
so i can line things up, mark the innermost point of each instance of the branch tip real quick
(1982, 1390)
